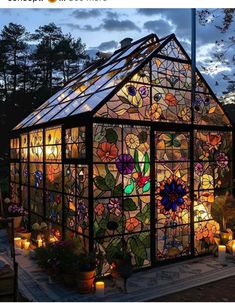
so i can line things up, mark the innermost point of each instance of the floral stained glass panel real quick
(171, 74)
(172, 199)
(122, 186)
(173, 242)
(53, 206)
(54, 177)
(36, 175)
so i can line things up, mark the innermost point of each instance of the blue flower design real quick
(172, 195)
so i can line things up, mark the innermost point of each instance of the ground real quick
(220, 291)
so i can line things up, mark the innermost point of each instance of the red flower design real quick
(132, 223)
(107, 152)
(141, 180)
(99, 209)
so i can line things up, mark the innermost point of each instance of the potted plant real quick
(59, 259)
(121, 266)
(85, 266)
(16, 212)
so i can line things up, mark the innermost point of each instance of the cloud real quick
(109, 25)
(86, 13)
(119, 25)
(112, 15)
(148, 11)
(104, 46)
(86, 27)
(160, 27)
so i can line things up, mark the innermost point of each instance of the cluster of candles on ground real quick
(222, 253)
(25, 244)
(21, 243)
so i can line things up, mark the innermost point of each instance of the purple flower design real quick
(125, 164)
(14, 210)
(114, 206)
(143, 91)
(82, 211)
(172, 195)
(222, 160)
(198, 168)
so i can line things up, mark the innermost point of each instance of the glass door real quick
(172, 195)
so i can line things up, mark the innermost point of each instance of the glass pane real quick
(54, 177)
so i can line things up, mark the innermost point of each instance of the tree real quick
(223, 20)
(14, 46)
(45, 56)
(70, 52)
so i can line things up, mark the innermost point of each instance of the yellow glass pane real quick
(24, 140)
(36, 138)
(36, 154)
(53, 153)
(24, 154)
(15, 143)
(53, 136)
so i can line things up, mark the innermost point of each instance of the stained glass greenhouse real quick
(127, 155)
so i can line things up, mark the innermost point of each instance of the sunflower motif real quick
(132, 141)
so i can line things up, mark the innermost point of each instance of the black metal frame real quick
(88, 119)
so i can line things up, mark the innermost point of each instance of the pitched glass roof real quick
(87, 89)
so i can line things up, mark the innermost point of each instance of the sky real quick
(103, 29)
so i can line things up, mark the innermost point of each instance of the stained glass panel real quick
(173, 242)
(208, 111)
(75, 140)
(108, 217)
(15, 193)
(53, 144)
(24, 173)
(171, 49)
(213, 146)
(203, 202)
(171, 105)
(54, 177)
(122, 187)
(53, 206)
(131, 102)
(36, 175)
(173, 203)
(36, 146)
(25, 197)
(15, 172)
(15, 148)
(171, 74)
(24, 147)
(36, 201)
(205, 232)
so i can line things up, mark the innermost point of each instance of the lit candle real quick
(17, 241)
(40, 243)
(233, 249)
(23, 242)
(26, 245)
(99, 289)
(222, 254)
